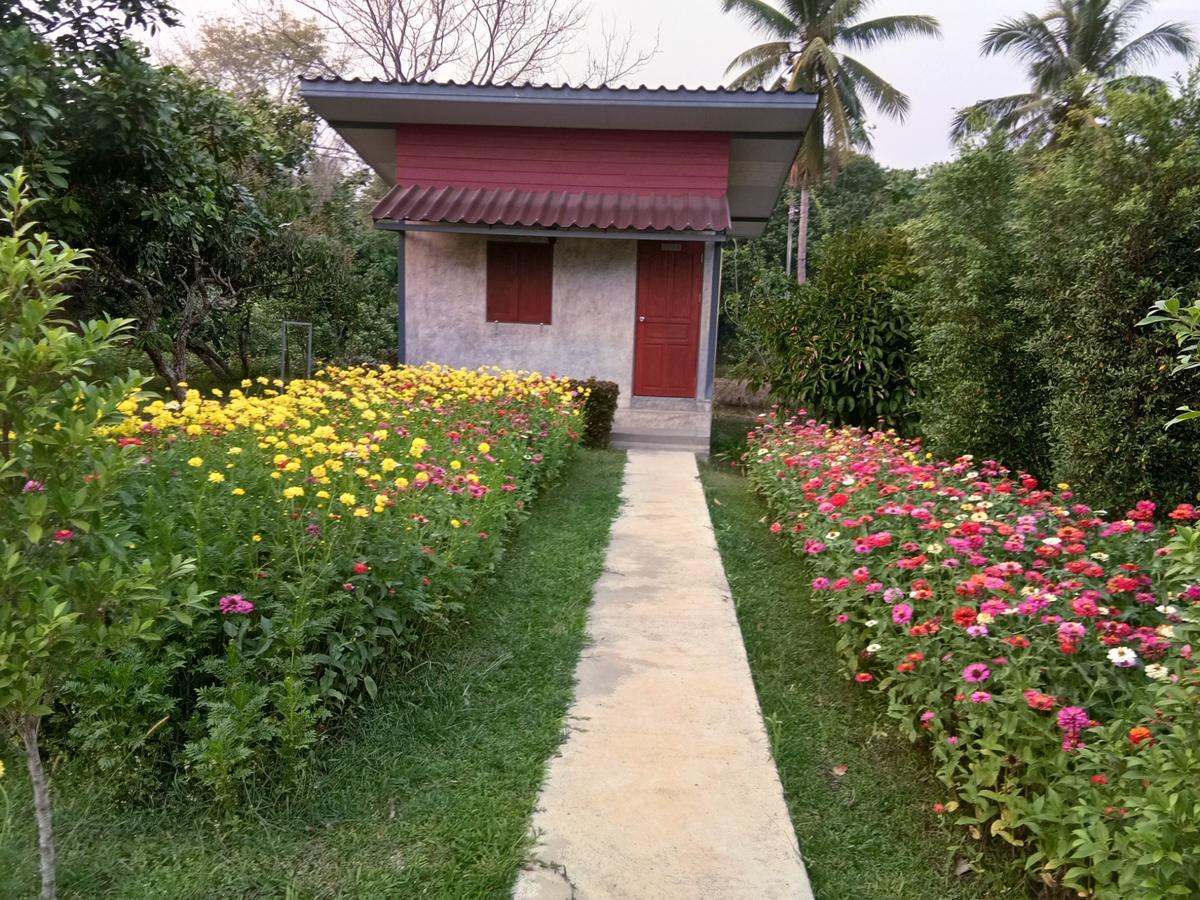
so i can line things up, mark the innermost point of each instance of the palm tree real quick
(804, 53)
(1074, 53)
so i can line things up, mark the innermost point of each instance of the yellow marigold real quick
(293, 491)
(194, 430)
(196, 462)
(216, 477)
(389, 465)
(485, 447)
(257, 538)
(401, 483)
(238, 492)
(348, 499)
(456, 464)
(454, 523)
(361, 512)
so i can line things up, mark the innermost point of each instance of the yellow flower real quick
(216, 477)
(238, 492)
(401, 483)
(361, 512)
(389, 465)
(456, 464)
(348, 499)
(293, 491)
(485, 447)
(454, 523)
(257, 538)
(324, 495)
(1, 768)
(196, 462)
(418, 447)
(194, 430)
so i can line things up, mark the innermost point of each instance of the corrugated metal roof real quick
(553, 209)
(532, 86)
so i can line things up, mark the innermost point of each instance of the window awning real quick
(553, 209)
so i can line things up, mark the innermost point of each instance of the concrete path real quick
(665, 788)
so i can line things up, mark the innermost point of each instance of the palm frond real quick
(761, 16)
(764, 74)
(1029, 37)
(775, 52)
(1170, 37)
(884, 96)
(888, 28)
(991, 113)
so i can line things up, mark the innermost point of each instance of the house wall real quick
(593, 309)
(672, 163)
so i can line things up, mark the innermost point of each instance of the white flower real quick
(935, 549)
(1166, 631)
(871, 623)
(1157, 672)
(1124, 657)
(1100, 556)
(874, 648)
(833, 535)
(848, 480)
(1052, 541)
(1167, 610)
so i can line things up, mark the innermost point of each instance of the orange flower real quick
(1140, 735)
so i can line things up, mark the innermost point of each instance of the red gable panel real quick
(663, 163)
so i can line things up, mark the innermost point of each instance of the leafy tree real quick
(838, 345)
(1184, 324)
(86, 26)
(1074, 54)
(260, 54)
(69, 582)
(981, 390)
(805, 51)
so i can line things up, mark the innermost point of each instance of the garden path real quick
(664, 788)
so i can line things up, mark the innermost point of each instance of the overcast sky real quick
(697, 41)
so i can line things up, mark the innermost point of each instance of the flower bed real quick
(1042, 649)
(332, 523)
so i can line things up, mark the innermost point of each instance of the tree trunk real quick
(166, 373)
(802, 238)
(213, 360)
(28, 729)
(790, 223)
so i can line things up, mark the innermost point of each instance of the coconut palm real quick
(805, 52)
(1074, 52)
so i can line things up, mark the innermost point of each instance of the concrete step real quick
(688, 443)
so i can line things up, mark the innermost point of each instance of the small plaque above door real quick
(670, 246)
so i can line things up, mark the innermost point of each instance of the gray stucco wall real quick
(593, 310)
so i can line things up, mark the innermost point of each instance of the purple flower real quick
(976, 672)
(981, 697)
(235, 605)
(891, 595)
(33, 487)
(902, 613)
(821, 583)
(977, 630)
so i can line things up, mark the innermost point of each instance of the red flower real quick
(63, 535)
(1100, 779)
(839, 499)
(964, 616)
(361, 568)
(864, 677)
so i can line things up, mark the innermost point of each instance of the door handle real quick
(641, 318)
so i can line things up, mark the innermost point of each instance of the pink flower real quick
(821, 583)
(902, 613)
(976, 672)
(980, 697)
(63, 535)
(235, 605)
(361, 568)
(33, 487)
(1073, 719)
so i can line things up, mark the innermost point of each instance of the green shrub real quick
(599, 406)
(839, 345)
(1109, 223)
(981, 390)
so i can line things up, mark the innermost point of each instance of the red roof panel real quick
(554, 209)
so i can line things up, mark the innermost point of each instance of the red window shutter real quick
(520, 279)
(537, 278)
(503, 279)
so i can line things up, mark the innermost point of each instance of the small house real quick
(571, 230)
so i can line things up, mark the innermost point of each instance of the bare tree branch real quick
(616, 60)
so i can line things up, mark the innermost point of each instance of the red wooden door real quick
(667, 339)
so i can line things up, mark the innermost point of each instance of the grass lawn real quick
(868, 833)
(428, 794)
